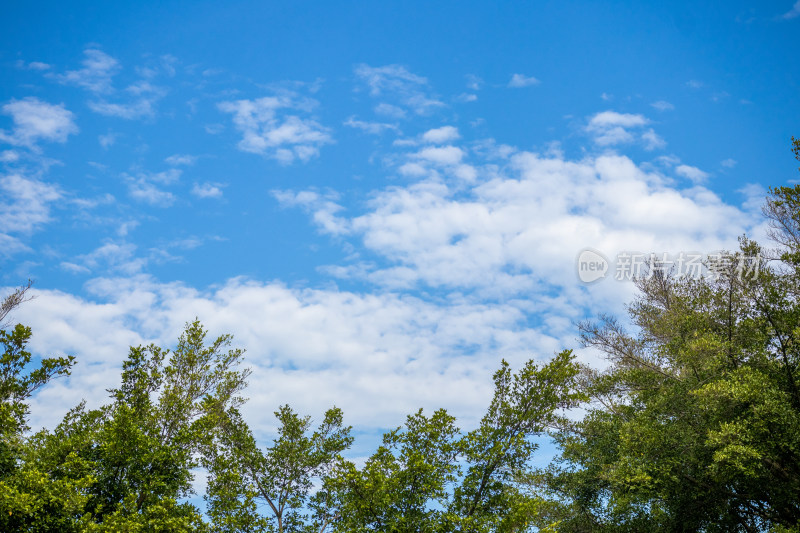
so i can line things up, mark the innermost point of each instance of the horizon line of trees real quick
(694, 425)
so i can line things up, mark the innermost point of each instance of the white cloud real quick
(609, 128)
(207, 190)
(35, 120)
(181, 159)
(652, 140)
(34, 65)
(728, 163)
(441, 135)
(474, 83)
(692, 173)
(119, 258)
(267, 129)
(466, 97)
(607, 119)
(25, 206)
(378, 357)
(390, 110)
(409, 90)
(390, 78)
(9, 156)
(520, 80)
(142, 105)
(323, 207)
(96, 74)
(145, 187)
(149, 193)
(10, 246)
(107, 140)
(663, 105)
(668, 160)
(518, 230)
(26, 203)
(373, 128)
(441, 155)
(792, 13)
(695, 84)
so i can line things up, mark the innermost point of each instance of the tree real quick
(27, 494)
(428, 476)
(125, 466)
(695, 424)
(282, 476)
(145, 444)
(14, 300)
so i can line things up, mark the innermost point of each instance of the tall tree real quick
(127, 465)
(281, 477)
(695, 424)
(28, 495)
(429, 476)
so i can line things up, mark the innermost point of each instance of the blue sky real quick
(379, 200)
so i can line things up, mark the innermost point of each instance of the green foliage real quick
(282, 476)
(695, 424)
(123, 467)
(428, 476)
(403, 486)
(150, 437)
(16, 386)
(29, 498)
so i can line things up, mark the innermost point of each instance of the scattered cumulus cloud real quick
(269, 128)
(441, 155)
(377, 356)
(474, 83)
(609, 128)
(520, 80)
(692, 173)
(390, 78)
(33, 65)
(652, 140)
(35, 120)
(149, 187)
(119, 258)
(390, 110)
(407, 91)
(663, 105)
(466, 97)
(517, 230)
(25, 204)
(373, 128)
(441, 135)
(9, 156)
(207, 190)
(323, 207)
(668, 161)
(181, 160)
(728, 163)
(96, 75)
(107, 140)
(792, 13)
(138, 102)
